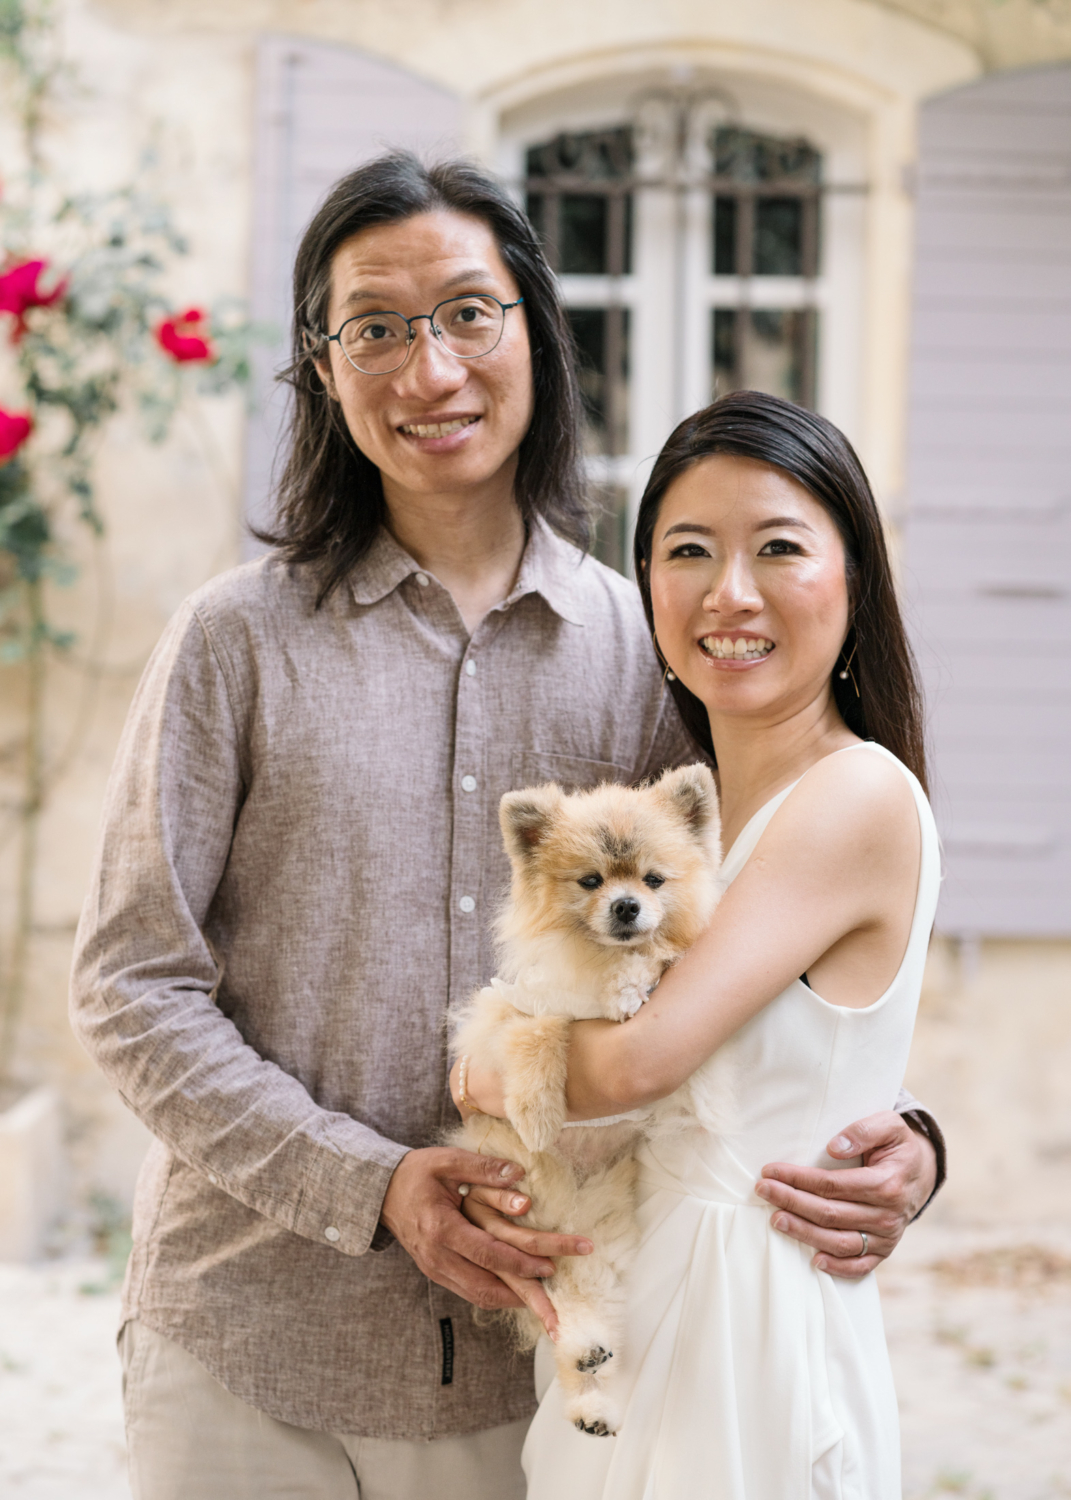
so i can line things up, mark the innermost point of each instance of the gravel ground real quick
(981, 1348)
(61, 1415)
(982, 1353)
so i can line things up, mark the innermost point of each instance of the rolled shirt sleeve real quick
(923, 1123)
(146, 980)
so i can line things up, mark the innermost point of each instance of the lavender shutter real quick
(988, 541)
(320, 112)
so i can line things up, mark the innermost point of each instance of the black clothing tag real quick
(446, 1328)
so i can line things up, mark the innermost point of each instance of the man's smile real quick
(436, 429)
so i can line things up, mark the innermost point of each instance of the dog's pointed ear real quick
(691, 793)
(527, 818)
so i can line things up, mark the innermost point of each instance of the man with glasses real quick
(300, 862)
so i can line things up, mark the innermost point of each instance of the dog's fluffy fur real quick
(609, 887)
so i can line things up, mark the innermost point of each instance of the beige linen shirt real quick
(299, 862)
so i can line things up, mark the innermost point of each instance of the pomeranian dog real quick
(609, 888)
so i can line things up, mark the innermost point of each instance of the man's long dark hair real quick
(329, 500)
(817, 455)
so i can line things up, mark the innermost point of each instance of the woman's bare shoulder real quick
(851, 808)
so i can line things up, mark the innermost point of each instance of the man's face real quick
(409, 267)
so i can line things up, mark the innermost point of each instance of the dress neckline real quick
(727, 857)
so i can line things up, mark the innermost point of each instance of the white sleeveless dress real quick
(747, 1374)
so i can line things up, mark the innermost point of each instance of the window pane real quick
(582, 247)
(771, 354)
(596, 329)
(592, 230)
(724, 351)
(724, 236)
(764, 350)
(778, 237)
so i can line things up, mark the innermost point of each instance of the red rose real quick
(15, 428)
(19, 292)
(183, 337)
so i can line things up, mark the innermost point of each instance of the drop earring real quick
(848, 670)
(667, 675)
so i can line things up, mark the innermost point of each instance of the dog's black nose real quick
(626, 909)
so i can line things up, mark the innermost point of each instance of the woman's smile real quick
(735, 650)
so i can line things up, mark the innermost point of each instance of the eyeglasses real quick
(378, 343)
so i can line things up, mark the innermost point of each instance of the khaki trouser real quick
(187, 1437)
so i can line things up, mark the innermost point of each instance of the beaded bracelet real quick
(462, 1080)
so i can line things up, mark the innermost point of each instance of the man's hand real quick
(830, 1211)
(422, 1209)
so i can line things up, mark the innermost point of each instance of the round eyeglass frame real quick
(429, 318)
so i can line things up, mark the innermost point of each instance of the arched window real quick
(686, 244)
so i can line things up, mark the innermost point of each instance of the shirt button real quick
(213, 1179)
(331, 1233)
(467, 904)
(470, 667)
(422, 579)
(468, 783)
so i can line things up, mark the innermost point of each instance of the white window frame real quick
(660, 293)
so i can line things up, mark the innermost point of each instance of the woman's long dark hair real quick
(329, 500)
(817, 455)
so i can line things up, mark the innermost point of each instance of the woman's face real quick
(486, 403)
(748, 587)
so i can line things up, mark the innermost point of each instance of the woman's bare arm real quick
(832, 883)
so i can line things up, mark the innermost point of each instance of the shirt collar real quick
(550, 567)
(383, 567)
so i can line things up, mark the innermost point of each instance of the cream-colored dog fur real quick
(609, 888)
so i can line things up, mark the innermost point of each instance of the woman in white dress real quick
(749, 1372)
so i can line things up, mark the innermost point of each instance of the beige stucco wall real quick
(180, 72)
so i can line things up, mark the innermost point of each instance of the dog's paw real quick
(628, 1000)
(593, 1358)
(594, 1412)
(597, 1428)
(537, 1128)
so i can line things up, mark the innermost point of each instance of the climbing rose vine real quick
(15, 428)
(184, 337)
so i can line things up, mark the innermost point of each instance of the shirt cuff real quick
(344, 1192)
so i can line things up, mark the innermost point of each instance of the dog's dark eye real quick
(654, 881)
(590, 882)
